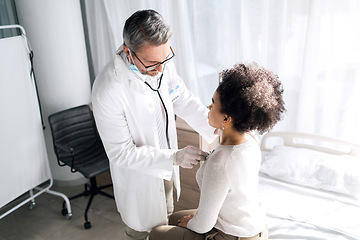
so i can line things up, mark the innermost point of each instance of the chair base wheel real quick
(87, 225)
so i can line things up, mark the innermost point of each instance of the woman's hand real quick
(184, 220)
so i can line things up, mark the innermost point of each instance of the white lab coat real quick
(124, 114)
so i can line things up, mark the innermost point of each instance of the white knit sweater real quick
(228, 182)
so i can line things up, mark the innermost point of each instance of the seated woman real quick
(248, 98)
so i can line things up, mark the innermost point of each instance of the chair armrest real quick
(68, 150)
(64, 147)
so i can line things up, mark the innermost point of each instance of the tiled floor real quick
(45, 221)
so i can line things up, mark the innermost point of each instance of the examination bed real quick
(310, 187)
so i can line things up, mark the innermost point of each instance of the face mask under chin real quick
(147, 77)
(134, 68)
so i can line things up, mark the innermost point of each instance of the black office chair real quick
(77, 145)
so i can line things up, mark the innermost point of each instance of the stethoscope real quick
(161, 100)
(163, 104)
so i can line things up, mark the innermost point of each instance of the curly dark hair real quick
(252, 96)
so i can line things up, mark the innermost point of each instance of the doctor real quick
(135, 98)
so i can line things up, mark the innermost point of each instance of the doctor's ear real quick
(126, 50)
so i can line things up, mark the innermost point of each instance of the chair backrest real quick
(74, 129)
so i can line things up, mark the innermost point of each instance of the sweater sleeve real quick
(214, 188)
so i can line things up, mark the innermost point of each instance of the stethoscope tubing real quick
(163, 104)
(166, 112)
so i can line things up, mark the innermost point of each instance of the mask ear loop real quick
(132, 65)
(131, 58)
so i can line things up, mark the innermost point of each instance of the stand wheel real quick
(64, 211)
(31, 205)
(87, 225)
(68, 216)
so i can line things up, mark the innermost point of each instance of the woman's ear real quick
(227, 119)
(226, 122)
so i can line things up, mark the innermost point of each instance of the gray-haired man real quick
(135, 98)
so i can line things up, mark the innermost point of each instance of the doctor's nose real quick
(160, 68)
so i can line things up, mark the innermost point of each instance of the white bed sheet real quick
(296, 212)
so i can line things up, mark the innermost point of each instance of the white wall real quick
(55, 31)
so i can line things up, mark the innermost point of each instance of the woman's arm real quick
(214, 188)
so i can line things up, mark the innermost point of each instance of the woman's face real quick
(215, 116)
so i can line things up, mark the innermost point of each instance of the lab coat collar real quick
(121, 65)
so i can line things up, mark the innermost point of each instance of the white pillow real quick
(336, 173)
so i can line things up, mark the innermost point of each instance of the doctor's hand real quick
(189, 156)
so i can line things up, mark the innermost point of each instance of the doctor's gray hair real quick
(145, 27)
